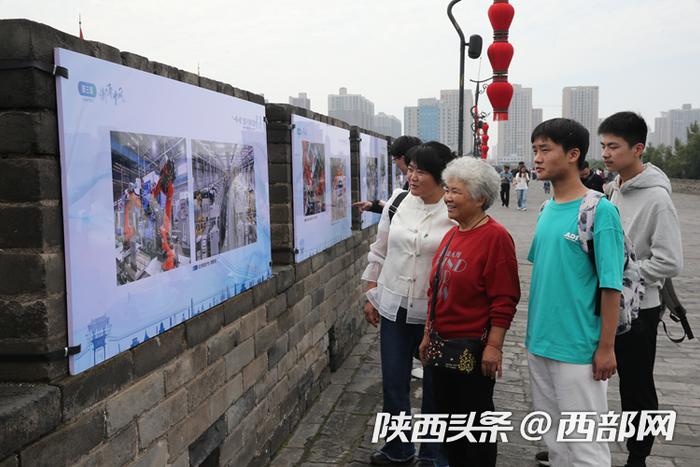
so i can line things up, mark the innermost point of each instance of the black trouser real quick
(458, 393)
(505, 194)
(635, 352)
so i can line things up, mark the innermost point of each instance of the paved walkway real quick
(338, 428)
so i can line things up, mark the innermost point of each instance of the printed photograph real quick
(383, 179)
(151, 210)
(372, 178)
(314, 177)
(339, 190)
(224, 197)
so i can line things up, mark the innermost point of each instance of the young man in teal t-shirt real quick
(570, 347)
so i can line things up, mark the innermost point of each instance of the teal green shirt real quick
(562, 324)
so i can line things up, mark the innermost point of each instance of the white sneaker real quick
(524, 209)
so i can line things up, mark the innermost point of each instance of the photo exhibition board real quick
(321, 186)
(165, 202)
(374, 174)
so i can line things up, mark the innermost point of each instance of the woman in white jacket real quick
(397, 288)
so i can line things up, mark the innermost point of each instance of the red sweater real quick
(478, 282)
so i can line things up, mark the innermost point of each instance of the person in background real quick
(521, 181)
(642, 193)
(590, 178)
(397, 275)
(506, 180)
(477, 294)
(398, 152)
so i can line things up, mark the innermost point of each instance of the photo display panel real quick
(165, 202)
(374, 174)
(321, 186)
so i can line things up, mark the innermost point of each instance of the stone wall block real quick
(155, 423)
(238, 306)
(67, 444)
(136, 61)
(204, 325)
(88, 388)
(159, 350)
(239, 357)
(133, 401)
(29, 179)
(185, 368)
(28, 132)
(28, 413)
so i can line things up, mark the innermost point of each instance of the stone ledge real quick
(27, 412)
(689, 187)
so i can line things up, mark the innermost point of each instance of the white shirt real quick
(521, 181)
(400, 259)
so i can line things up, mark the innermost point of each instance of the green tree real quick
(691, 153)
(679, 161)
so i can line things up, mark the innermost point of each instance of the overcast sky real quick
(643, 54)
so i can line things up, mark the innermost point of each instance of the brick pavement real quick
(338, 428)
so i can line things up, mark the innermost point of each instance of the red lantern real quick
(485, 126)
(485, 138)
(500, 93)
(500, 54)
(484, 151)
(501, 15)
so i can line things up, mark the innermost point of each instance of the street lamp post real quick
(474, 44)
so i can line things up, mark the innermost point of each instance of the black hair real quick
(627, 125)
(432, 157)
(585, 165)
(402, 145)
(569, 134)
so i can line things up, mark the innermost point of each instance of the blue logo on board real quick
(87, 89)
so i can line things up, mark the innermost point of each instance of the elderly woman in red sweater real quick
(477, 288)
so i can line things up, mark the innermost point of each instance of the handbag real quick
(462, 354)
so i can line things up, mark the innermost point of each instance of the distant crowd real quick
(519, 178)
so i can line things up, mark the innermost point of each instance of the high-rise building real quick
(662, 130)
(449, 119)
(302, 101)
(514, 134)
(387, 125)
(410, 121)
(353, 109)
(536, 117)
(673, 125)
(429, 119)
(580, 103)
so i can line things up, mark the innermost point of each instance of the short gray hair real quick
(479, 177)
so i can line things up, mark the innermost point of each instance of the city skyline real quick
(510, 139)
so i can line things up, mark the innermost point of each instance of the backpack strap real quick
(670, 300)
(586, 221)
(395, 204)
